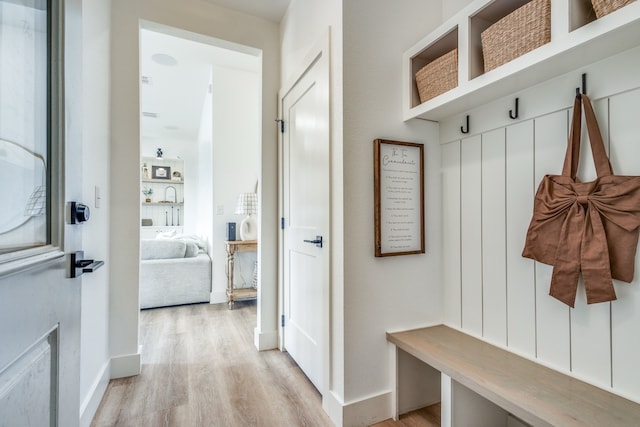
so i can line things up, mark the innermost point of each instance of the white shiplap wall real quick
(489, 180)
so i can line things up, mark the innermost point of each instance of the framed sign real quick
(160, 172)
(398, 197)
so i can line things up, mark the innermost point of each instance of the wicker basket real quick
(605, 7)
(523, 30)
(438, 76)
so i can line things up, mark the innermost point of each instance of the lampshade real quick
(247, 204)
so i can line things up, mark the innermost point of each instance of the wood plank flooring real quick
(200, 368)
(425, 417)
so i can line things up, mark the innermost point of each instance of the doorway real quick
(200, 101)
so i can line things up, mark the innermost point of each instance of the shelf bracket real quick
(462, 129)
(511, 112)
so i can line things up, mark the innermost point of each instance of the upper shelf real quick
(577, 39)
(164, 181)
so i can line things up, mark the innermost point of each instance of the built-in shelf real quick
(163, 181)
(577, 39)
(167, 198)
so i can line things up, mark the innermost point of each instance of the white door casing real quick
(39, 303)
(305, 205)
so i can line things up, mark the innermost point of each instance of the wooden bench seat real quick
(533, 393)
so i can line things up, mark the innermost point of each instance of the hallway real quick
(200, 368)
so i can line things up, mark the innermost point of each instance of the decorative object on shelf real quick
(159, 154)
(438, 76)
(170, 194)
(147, 222)
(585, 227)
(248, 205)
(145, 171)
(176, 176)
(521, 31)
(605, 7)
(160, 172)
(398, 198)
(147, 191)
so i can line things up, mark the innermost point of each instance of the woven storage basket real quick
(523, 30)
(438, 76)
(605, 7)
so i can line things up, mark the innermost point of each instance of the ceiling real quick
(172, 92)
(273, 10)
(175, 78)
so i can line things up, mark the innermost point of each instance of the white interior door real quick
(39, 304)
(305, 109)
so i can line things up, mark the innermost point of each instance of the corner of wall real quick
(126, 366)
(364, 412)
(265, 340)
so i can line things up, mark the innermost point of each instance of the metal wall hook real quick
(512, 114)
(462, 129)
(584, 85)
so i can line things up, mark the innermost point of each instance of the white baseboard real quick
(359, 413)
(369, 410)
(218, 297)
(125, 366)
(265, 340)
(333, 406)
(92, 401)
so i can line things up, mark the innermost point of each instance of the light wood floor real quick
(200, 368)
(425, 417)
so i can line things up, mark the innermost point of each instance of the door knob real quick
(80, 265)
(317, 241)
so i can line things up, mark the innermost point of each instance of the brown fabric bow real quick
(589, 227)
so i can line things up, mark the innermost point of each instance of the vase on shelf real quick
(147, 200)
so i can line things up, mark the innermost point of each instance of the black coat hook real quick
(512, 114)
(584, 85)
(462, 129)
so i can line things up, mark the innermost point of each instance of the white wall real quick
(94, 357)
(451, 7)
(202, 18)
(235, 163)
(502, 297)
(203, 216)
(383, 294)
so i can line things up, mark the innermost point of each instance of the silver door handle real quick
(317, 241)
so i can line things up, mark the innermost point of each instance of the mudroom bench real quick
(485, 385)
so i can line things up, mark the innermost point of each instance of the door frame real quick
(319, 53)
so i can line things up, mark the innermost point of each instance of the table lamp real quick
(248, 205)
